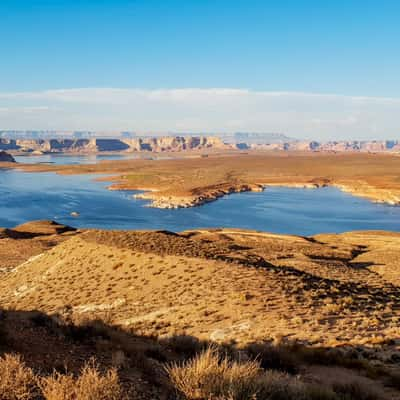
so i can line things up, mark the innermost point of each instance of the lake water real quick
(66, 159)
(30, 196)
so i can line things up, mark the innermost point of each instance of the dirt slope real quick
(220, 285)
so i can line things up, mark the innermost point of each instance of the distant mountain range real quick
(241, 141)
(331, 146)
(150, 144)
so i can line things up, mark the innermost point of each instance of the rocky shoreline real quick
(173, 202)
(362, 190)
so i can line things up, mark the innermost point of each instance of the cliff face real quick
(158, 144)
(174, 143)
(5, 157)
(182, 143)
(333, 146)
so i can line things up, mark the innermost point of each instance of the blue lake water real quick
(67, 159)
(30, 196)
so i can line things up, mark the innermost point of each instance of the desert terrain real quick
(321, 312)
(198, 178)
(205, 314)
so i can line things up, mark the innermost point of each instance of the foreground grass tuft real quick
(17, 381)
(209, 376)
(89, 385)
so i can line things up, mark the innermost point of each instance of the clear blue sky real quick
(328, 46)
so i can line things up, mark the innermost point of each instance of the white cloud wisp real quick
(301, 115)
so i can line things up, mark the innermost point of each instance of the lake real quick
(30, 196)
(70, 159)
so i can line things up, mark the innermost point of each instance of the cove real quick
(32, 196)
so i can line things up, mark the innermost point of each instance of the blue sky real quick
(347, 48)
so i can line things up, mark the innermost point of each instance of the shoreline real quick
(374, 195)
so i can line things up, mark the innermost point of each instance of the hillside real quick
(220, 285)
(152, 289)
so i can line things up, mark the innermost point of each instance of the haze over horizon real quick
(306, 69)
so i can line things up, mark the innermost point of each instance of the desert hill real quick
(323, 307)
(29, 240)
(220, 284)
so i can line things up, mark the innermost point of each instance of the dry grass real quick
(209, 376)
(17, 381)
(212, 376)
(91, 384)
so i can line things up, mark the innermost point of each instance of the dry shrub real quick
(212, 377)
(187, 345)
(209, 376)
(279, 358)
(17, 381)
(58, 387)
(91, 384)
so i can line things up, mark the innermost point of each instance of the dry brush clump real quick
(19, 382)
(89, 385)
(210, 376)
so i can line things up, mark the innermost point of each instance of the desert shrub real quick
(58, 387)
(187, 345)
(156, 353)
(85, 332)
(91, 384)
(213, 377)
(334, 356)
(209, 376)
(278, 358)
(17, 381)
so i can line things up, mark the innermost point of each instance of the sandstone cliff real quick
(332, 146)
(148, 144)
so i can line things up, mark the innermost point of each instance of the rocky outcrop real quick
(197, 197)
(175, 143)
(5, 157)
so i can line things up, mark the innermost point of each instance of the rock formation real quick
(5, 157)
(332, 146)
(147, 144)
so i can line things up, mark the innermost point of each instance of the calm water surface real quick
(66, 159)
(30, 196)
